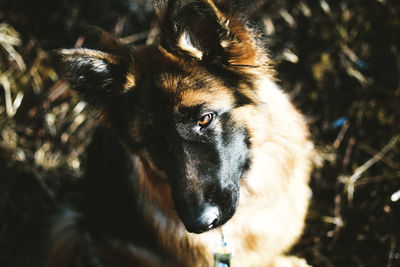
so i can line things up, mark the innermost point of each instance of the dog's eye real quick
(205, 120)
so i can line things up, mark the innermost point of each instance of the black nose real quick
(205, 221)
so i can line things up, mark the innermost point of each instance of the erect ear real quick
(206, 30)
(99, 75)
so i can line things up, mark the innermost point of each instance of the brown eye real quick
(205, 120)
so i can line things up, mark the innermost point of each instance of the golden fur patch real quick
(219, 98)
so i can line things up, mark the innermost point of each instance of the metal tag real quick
(222, 252)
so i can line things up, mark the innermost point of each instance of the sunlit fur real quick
(227, 70)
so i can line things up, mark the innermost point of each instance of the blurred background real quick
(338, 59)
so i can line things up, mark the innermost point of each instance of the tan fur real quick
(217, 96)
(185, 44)
(130, 81)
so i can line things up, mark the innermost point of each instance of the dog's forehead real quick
(194, 87)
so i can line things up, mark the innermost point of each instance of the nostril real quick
(210, 216)
(213, 223)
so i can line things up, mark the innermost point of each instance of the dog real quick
(197, 137)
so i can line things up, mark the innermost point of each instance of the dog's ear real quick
(206, 30)
(100, 74)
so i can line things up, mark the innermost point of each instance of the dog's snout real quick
(205, 220)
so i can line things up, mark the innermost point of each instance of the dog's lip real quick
(198, 231)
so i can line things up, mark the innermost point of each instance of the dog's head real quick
(175, 103)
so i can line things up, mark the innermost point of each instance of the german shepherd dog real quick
(197, 137)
